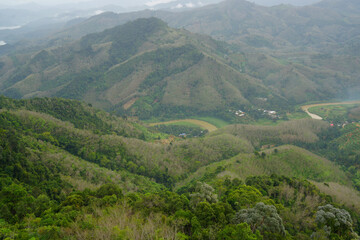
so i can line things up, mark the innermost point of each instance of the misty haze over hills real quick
(127, 3)
(25, 20)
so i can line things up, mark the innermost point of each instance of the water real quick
(2, 43)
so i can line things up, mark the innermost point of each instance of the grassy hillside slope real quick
(285, 160)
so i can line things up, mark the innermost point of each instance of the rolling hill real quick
(69, 171)
(286, 160)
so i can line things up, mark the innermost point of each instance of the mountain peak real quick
(134, 30)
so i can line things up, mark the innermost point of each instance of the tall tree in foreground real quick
(263, 218)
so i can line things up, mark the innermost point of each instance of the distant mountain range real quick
(270, 57)
(331, 25)
(145, 68)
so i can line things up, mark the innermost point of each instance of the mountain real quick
(328, 26)
(145, 69)
(325, 26)
(322, 37)
(72, 171)
(290, 2)
(178, 5)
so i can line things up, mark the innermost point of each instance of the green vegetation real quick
(304, 130)
(285, 160)
(185, 124)
(70, 171)
(337, 114)
(183, 130)
(189, 123)
(81, 115)
(145, 69)
(200, 213)
(61, 179)
(297, 115)
(340, 145)
(267, 122)
(219, 123)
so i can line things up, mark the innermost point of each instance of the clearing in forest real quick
(199, 123)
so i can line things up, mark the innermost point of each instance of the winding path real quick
(305, 108)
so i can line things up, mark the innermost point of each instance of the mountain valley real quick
(187, 123)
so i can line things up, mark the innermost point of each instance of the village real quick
(267, 113)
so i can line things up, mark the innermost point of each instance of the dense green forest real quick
(69, 171)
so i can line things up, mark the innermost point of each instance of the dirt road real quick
(305, 108)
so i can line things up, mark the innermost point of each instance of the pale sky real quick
(45, 2)
(141, 2)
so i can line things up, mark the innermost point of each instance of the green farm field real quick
(190, 123)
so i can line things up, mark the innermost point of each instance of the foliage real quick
(238, 232)
(262, 217)
(341, 146)
(337, 114)
(146, 69)
(335, 220)
(58, 181)
(177, 130)
(83, 116)
(203, 193)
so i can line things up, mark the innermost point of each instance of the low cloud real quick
(178, 6)
(157, 2)
(99, 12)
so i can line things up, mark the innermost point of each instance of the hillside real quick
(61, 178)
(216, 157)
(314, 46)
(285, 160)
(329, 25)
(146, 69)
(119, 144)
(142, 68)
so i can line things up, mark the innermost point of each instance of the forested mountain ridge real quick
(136, 68)
(144, 68)
(326, 26)
(63, 179)
(323, 37)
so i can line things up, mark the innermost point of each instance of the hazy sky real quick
(42, 2)
(132, 2)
